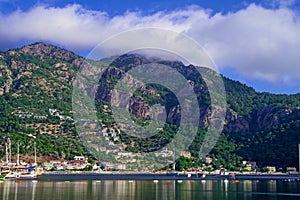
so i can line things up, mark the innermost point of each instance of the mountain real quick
(34, 79)
(36, 105)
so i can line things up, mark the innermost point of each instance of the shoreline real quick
(67, 176)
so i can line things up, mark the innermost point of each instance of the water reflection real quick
(11, 190)
(272, 186)
(80, 190)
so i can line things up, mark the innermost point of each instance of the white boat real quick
(19, 175)
(30, 175)
(27, 172)
(12, 175)
(22, 173)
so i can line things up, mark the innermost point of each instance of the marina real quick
(17, 171)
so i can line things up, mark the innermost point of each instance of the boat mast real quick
(299, 155)
(18, 154)
(174, 163)
(9, 148)
(6, 152)
(35, 154)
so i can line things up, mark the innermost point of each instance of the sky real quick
(255, 42)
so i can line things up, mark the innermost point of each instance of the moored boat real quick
(22, 173)
(31, 175)
(12, 175)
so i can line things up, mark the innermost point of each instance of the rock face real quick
(139, 104)
(45, 51)
(258, 119)
(236, 123)
(41, 76)
(21, 65)
(6, 76)
(15, 67)
(139, 108)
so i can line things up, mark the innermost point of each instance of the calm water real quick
(111, 190)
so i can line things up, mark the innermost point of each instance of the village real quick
(124, 161)
(82, 163)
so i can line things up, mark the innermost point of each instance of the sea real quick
(150, 189)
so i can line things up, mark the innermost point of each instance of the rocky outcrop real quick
(236, 123)
(6, 77)
(261, 119)
(45, 51)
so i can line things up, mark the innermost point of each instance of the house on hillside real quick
(80, 158)
(291, 170)
(271, 169)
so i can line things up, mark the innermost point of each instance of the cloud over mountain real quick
(260, 43)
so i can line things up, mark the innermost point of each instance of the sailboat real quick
(29, 172)
(6, 172)
(21, 172)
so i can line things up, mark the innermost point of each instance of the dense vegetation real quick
(32, 82)
(34, 86)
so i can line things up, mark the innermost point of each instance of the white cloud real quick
(258, 42)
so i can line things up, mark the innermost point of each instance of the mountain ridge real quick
(39, 77)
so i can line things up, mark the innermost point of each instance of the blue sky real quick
(114, 7)
(255, 42)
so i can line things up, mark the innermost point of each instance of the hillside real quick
(33, 80)
(36, 105)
